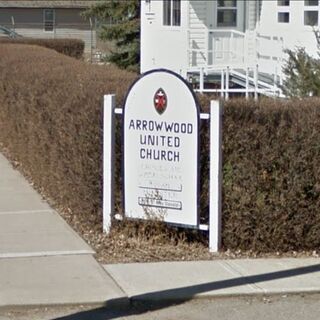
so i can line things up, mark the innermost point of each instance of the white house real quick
(227, 45)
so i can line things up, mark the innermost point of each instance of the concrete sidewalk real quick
(44, 262)
(220, 278)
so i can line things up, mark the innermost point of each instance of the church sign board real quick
(160, 149)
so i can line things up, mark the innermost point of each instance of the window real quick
(283, 3)
(283, 17)
(172, 12)
(48, 20)
(311, 2)
(311, 18)
(227, 13)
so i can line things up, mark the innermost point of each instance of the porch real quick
(232, 62)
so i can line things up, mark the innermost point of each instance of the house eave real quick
(68, 4)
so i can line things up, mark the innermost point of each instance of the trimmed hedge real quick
(51, 121)
(271, 175)
(70, 47)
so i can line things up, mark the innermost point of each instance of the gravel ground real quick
(153, 241)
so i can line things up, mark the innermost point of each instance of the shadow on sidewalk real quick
(166, 298)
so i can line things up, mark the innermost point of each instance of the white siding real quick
(252, 12)
(163, 46)
(197, 36)
(294, 33)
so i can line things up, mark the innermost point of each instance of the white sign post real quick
(160, 121)
(215, 176)
(108, 161)
(160, 154)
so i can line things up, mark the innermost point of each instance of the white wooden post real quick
(215, 176)
(275, 76)
(108, 161)
(227, 83)
(247, 82)
(13, 23)
(222, 83)
(201, 75)
(207, 48)
(256, 73)
(231, 43)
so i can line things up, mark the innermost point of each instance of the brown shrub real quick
(271, 175)
(70, 47)
(51, 121)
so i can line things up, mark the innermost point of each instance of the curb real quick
(119, 303)
(180, 299)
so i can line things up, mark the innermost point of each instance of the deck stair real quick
(235, 81)
(237, 63)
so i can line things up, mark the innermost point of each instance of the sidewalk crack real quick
(228, 266)
(114, 280)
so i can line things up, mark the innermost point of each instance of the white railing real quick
(226, 46)
(228, 51)
(217, 47)
(221, 47)
(250, 84)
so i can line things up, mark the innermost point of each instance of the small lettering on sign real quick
(159, 203)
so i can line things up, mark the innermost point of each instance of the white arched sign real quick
(160, 158)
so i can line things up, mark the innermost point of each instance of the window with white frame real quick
(283, 3)
(311, 2)
(227, 13)
(172, 12)
(311, 18)
(48, 20)
(283, 17)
